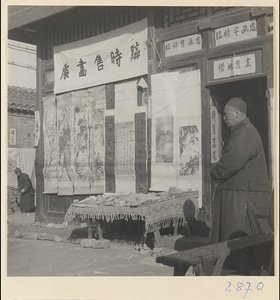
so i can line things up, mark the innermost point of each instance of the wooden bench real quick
(214, 253)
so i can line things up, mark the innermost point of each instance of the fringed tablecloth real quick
(180, 209)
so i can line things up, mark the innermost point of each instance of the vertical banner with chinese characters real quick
(235, 33)
(215, 133)
(141, 152)
(109, 57)
(110, 177)
(51, 151)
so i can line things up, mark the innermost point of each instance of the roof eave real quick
(21, 16)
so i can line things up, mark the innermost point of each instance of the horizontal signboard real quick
(235, 33)
(183, 45)
(113, 56)
(236, 65)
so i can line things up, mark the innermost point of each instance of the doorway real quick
(253, 92)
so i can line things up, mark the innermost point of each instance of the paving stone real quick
(30, 235)
(47, 237)
(143, 251)
(96, 244)
(18, 234)
(57, 239)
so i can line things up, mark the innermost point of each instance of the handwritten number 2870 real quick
(240, 286)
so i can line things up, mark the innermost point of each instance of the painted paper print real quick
(51, 153)
(80, 110)
(97, 152)
(164, 140)
(65, 145)
(96, 121)
(189, 145)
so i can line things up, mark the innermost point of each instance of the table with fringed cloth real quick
(156, 214)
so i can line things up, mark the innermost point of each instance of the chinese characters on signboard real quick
(113, 56)
(236, 33)
(236, 65)
(215, 134)
(183, 45)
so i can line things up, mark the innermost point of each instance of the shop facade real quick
(131, 98)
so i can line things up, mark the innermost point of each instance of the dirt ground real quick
(29, 255)
(48, 258)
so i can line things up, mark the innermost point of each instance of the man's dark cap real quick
(17, 170)
(238, 103)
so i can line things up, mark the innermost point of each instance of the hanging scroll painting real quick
(96, 121)
(51, 154)
(66, 168)
(189, 142)
(80, 111)
(164, 140)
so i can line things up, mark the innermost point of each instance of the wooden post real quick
(90, 229)
(157, 238)
(99, 231)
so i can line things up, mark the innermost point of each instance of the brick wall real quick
(24, 126)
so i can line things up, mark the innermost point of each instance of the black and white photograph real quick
(140, 147)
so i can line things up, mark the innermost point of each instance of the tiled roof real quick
(20, 98)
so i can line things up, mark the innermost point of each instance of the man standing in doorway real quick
(244, 188)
